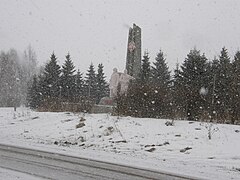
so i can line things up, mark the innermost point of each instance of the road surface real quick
(50, 165)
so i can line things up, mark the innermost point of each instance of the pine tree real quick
(42, 84)
(90, 83)
(102, 86)
(145, 70)
(160, 72)
(235, 89)
(223, 80)
(177, 94)
(79, 86)
(51, 79)
(160, 77)
(33, 96)
(212, 69)
(67, 78)
(193, 84)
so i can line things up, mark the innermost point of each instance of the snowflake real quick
(203, 91)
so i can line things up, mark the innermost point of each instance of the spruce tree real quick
(193, 81)
(235, 89)
(51, 79)
(140, 93)
(79, 86)
(177, 94)
(160, 77)
(222, 82)
(102, 86)
(67, 78)
(145, 70)
(34, 96)
(90, 83)
(160, 72)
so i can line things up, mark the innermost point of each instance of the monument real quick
(117, 80)
(120, 81)
(134, 48)
(133, 63)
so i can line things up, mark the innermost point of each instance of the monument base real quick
(105, 106)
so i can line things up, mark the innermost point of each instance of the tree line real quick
(16, 71)
(200, 89)
(57, 87)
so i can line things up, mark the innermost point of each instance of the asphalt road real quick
(59, 166)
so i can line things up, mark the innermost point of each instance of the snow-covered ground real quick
(141, 142)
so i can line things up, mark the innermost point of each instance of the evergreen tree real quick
(178, 94)
(235, 89)
(193, 84)
(50, 80)
(222, 82)
(102, 86)
(211, 96)
(145, 70)
(144, 98)
(33, 96)
(160, 72)
(160, 77)
(67, 78)
(90, 83)
(79, 86)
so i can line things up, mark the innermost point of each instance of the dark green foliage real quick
(145, 70)
(160, 73)
(177, 95)
(102, 86)
(189, 82)
(161, 79)
(199, 90)
(235, 89)
(145, 97)
(53, 91)
(143, 100)
(51, 78)
(91, 83)
(223, 78)
(79, 87)
(67, 79)
(33, 96)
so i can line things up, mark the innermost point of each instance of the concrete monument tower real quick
(133, 62)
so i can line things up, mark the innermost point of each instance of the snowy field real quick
(183, 148)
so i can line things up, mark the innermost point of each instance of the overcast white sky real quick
(96, 30)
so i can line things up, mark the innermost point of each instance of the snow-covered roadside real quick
(8, 174)
(139, 142)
